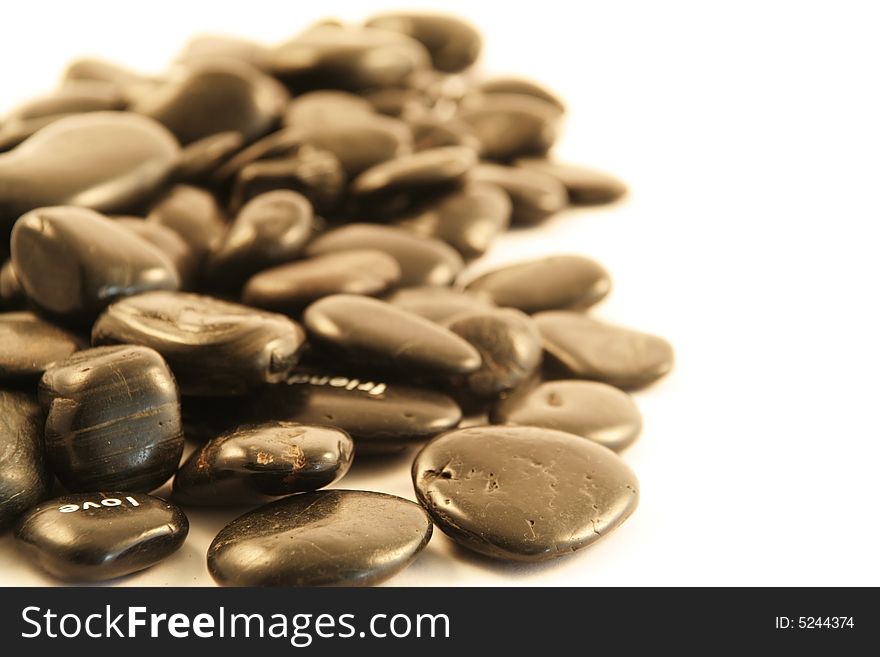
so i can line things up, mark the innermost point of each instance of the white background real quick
(749, 134)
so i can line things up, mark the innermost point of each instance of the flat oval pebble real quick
(352, 59)
(361, 141)
(514, 85)
(25, 479)
(510, 347)
(399, 103)
(550, 283)
(419, 172)
(380, 416)
(523, 493)
(375, 332)
(103, 535)
(73, 262)
(585, 186)
(29, 345)
(214, 347)
(170, 243)
(422, 261)
(199, 159)
(74, 97)
(431, 132)
(468, 219)
(534, 195)
(290, 288)
(454, 44)
(192, 213)
(212, 46)
(101, 160)
(270, 229)
(131, 84)
(315, 173)
(254, 464)
(512, 125)
(217, 95)
(279, 144)
(325, 538)
(593, 410)
(112, 419)
(325, 107)
(439, 303)
(587, 348)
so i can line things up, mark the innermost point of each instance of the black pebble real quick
(214, 347)
(73, 262)
(98, 536)
(325, 538)
(587, 348)
(29, 344)
(254, 464)
(550, 283)
(112, 419)
(371, 331)
(24, 478)
(422, 261)
(523, 493)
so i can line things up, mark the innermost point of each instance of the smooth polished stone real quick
(257, 463)
(213, 46)
(98, 536)
(217, 95)
(523, 493)
(510, 347)
(422, 261)
(431, 132)
(282, 143)
(361, 142)
(74, 97)
(214, 347)
(200, 159)
(587, 348)
(324, 538)
(534, 195)
(417, 173)
(585, 186)
(468, 219)
(596, 411)
(399, 102)
(512, 125)
(106, 161)
(290, 288)
(192, 213)
(550, 283)
(315, 173)
(73, 262)
(380, 416)
(454, 44)
(170, 243)
(29, 345)
(11, 294)
(513, 85)
(375, 332)
(270, 229)
(112, 419)
(330, 57)
(326, 107)
(24, 478)
(131, 84)
(439, 303)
